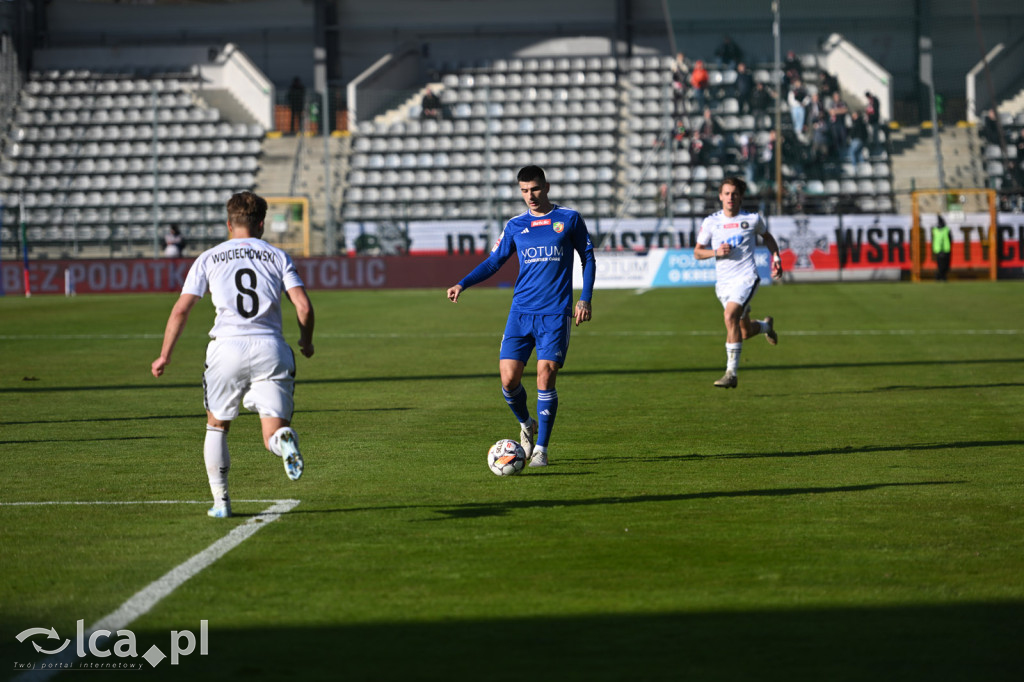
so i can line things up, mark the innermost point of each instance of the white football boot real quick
(528, 436)
(293, 464)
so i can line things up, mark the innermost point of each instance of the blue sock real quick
(517, 401)
(547, 408)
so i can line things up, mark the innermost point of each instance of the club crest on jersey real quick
(536, 223)
(558, 227)
(744, 224)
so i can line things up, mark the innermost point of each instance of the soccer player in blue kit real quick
(544, 238)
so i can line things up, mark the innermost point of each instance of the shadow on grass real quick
(567, 372)
(907, 643)
(484, 509)
(846, 450)
(75, 440)
(196, 416)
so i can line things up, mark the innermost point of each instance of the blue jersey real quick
(545, 246)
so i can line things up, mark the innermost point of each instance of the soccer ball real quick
(506, 458)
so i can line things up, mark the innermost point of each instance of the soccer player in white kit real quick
(248, 362)
(729, 236)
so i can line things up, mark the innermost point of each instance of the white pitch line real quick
(148, 597)
(116, 502)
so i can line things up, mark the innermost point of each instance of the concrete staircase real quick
(914, 165)
(230, 108)
(1013, 105)
(293, 165)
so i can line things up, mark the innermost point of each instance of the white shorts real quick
(257, 372)
(737, 291)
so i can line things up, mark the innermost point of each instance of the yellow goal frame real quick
(287, 224)
(927, 197)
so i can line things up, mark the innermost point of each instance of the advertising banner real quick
(813, 247)
(630, 254)
(661, 268)
(109, 276)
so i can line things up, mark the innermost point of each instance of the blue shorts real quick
(548, 333)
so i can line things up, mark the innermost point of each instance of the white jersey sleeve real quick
(245, 278)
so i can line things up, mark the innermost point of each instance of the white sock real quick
(732, 353)
(218, 462)
(275, 440)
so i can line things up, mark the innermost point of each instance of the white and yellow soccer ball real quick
(506, 458)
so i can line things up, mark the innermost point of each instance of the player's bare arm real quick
(583, 312)
(304, 313)
(175, 326)
(773, 247)
(701, 253)
(453, 293)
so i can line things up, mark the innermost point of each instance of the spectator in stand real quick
(698, 153)
(679, 134)
(680, 84)
(748, 149)
(872, 117)
(795, 153)
(821, 145)
(798, 100)
(766, 160)
(990, 127)
(837, 111)
(699, 81)
(760, 102)
(174, 243)
(792, 71)
(711, 136)
(814, 108)
(728, 54)
(858, 137)
(744, 88)
(1014, 175)
(430, 105)
(297, 103)
(827, 84)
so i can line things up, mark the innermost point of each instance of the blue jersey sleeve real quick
(500, 253)
(585, 248)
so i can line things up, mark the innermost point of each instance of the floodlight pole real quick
(776, 31)
(927, 78)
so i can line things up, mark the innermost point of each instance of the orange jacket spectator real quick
(699, 75)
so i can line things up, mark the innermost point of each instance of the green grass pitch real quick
(853, 511)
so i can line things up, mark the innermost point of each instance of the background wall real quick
(278, 35)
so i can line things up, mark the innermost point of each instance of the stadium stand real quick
(604, 130)
(1003, 162)
(93, 160)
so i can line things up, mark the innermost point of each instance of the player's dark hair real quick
(738, 183)
(247, 209)
(531, 173)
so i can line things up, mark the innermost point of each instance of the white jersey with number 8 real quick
(245, 278)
